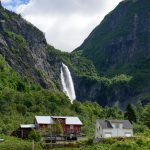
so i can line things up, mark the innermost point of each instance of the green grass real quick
(135, 143)
(12, 143)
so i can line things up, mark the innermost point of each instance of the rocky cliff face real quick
(119, 45)
(113, 95)
(26, 50)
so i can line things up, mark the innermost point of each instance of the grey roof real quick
(44, 120)
(70, 120)
(126, 123)
(49, 120)
(105, 124)
(27, 126)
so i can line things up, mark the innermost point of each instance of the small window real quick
(117, 126)
(121, 126)
(128, 134)
(71, 126)
(108, 134)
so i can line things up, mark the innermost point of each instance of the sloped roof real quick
(73, 120)
(49, 120)
(126, 123)
(70, 120)
(106, 124)
(27, 126)
(44, 120)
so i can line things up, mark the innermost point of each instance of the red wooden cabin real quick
(70, 125)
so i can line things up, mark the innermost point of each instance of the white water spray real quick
(67, 83)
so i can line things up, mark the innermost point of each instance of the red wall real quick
(43, 126)
(76, 128)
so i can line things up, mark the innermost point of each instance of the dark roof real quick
(105, 124)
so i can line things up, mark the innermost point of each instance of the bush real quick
(109, 141)
(124, 146)
(34, 135)
(139, 128)
(11, 143)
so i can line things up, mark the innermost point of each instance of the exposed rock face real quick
(26, 50)
(119, 45)
(115, 95)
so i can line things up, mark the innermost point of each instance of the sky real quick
(66, 23)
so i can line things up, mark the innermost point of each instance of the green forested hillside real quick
(30, 76)
(120, 45)
(121, 41)
(21, 100)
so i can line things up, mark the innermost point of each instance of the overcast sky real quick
(66, 23)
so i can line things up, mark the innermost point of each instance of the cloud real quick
(13, 4)
(66, 23)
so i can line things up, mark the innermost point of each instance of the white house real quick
(113, 128)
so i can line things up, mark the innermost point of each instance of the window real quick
(117, 126)
(108, 134)
(71, 126)
(128, 134)
(121, 126)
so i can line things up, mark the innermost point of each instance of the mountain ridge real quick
(119, 45)
(119, 36)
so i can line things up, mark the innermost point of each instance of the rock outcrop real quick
(26, 50)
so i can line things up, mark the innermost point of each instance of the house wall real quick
(116, 132)
(98, 131)
(25, 132)
(68, 129)
(43, 126)
(72, 129)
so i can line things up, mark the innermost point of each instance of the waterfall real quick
(67, 83)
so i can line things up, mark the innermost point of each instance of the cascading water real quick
(67, 83)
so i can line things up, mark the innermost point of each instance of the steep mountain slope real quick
(30, 77)
(120, 45)
(26, 50)
(122, 38)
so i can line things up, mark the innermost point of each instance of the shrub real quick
(109, 141)
(139, 128)
(124, 146)
(34, 135)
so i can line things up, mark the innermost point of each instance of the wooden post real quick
(22, 133)
(32, 144)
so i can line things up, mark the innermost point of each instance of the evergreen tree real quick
(146, 115)
(130, 114)
(139, 110)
